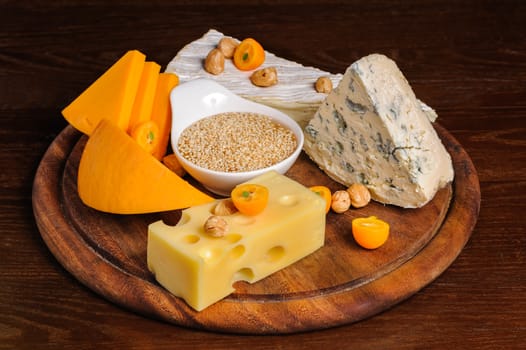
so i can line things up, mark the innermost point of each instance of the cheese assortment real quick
(371, 130)
(117, 172)
(201, 269)
(294, 94)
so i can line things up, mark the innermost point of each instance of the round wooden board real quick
(338, 284)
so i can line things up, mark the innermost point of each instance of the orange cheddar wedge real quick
(162, 113)
(142, 107)
(110, 96)
(117, 176)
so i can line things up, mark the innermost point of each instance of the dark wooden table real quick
(467, 59)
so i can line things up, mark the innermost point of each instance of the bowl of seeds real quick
(222, 139)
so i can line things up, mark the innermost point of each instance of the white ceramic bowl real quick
(202, 98)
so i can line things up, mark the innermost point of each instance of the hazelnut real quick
(323, 85)
(215, 62)
(216, 226)
(171, 162)
(359, 194)
(227, 46)
(341, 201)
(225, 207)
(265, 77)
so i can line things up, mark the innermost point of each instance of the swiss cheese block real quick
(201, 269)
(371, 130)
(294, 94)
(142, 106)
(162, 112)
(117, 175)
(111, 96)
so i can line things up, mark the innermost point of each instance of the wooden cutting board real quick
(338, 284)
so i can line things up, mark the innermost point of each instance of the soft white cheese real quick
(371, 129)
(294, 94)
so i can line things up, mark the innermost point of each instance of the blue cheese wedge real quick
(371, 129)
(294, 94)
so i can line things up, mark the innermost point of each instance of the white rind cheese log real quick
(294, 94)
(371, 130)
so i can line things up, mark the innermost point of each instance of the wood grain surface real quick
(464, 58)
(338, 284)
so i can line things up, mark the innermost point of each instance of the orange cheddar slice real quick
(117, 176)
(110, 96)
(162, 113)
(142, 107)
